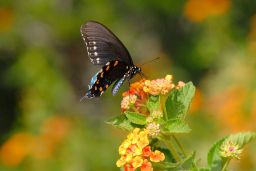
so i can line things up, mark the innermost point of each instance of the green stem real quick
(170, 146)
(164, 109)
(180, 146)
(226, 164)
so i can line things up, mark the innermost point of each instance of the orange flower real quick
(134, 150)
(199, 10)
(146, 151)
(129, 167)
(159, 86)
(136, 88)
(15, 149)
(6, 19)
(139, 92)
(146, 166)
(157, 156)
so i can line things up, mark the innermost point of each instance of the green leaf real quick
(136, 118)
(153, 103)
(214, 158)
(242, 138)
(178, 101)
(186, 164)
(165, 165)
(120, 121)
(215, 161)
(176, 126)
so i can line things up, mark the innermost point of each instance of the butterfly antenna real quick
(150, 61)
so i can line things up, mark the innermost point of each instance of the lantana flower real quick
(136, 153)
(230, 150)
(128, 101)
(153, 129)
(159, 86)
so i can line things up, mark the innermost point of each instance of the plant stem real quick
(180, 146)
(164, 109)
(168, 143)
(226, 164)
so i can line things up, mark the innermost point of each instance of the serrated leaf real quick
(215, 161)
(178, 101)
(153, 103)
(242, 138)
(120, 121)
(176, 126)
(135, 118)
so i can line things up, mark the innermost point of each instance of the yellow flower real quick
(137, 161)
(120, 162)
(134, 152)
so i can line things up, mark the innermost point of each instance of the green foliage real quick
(120, 121)
(153, 103)
(242, 138)
(178, 102)
(175, 126)
(215, 161)
(186, 164)
(135, 118)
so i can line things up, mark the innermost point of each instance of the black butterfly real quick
(104, 48)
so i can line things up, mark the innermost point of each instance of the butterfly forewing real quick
(102, 45)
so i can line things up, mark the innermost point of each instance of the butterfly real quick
(104, 48)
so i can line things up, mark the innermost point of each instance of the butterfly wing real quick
(102, 45)
(110, 72)
(118, 84)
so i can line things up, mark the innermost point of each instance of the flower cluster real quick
(136, 153)
(128, 101)
(139, 91)
(230, 150)
(159, 86)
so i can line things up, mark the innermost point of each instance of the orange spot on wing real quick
(107, 68)
(116, 62)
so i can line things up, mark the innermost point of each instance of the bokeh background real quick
(44, 70)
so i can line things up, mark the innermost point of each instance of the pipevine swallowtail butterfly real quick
(104, 48)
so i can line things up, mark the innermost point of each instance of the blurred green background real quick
(44, 70)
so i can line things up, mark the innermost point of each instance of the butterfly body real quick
(104, 48)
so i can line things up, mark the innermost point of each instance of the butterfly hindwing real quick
(112, 71)
(102, 45)
(118, 84)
